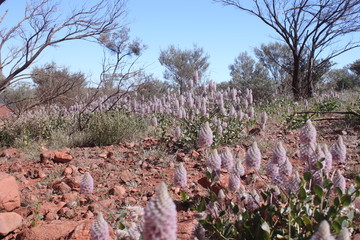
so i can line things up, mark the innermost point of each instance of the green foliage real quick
(57, 85)
(286, 216)
(247, 73)
(328, 105)
(113, 127)
(58, 129)
(191, 128)
(181, 64)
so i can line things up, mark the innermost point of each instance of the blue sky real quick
(223, 32)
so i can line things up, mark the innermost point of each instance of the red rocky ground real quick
(43, 199)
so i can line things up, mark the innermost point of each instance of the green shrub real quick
(280, 216)
(113, 127)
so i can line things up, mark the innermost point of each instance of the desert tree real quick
(57, 85)
(45, 25)
(181, 64)
(50, 85)
(355, 67)
(311, 30)
(120, 76)
(342, 79)
(277, 58)
(246, 72)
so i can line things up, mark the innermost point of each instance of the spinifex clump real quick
(160, 221)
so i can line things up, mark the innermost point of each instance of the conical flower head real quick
(328, 159)
(339, 181)
(279, 154)
(86, 184)
(238, 168)
(263, 118)
(307, 152)
(178, 133)
(205, 138)
(160, 216)
(307, 133)
(294, 184)
(286, 168)
(323, 232)
(214, 160)
(199, 232)
(99, 229)
(253, 157)
(154, 121)
(343, 234)
(338, 150)
(253, 201)
(234, 182)
(251, 112)
(227, 159)
(221, 195)
(180, 177)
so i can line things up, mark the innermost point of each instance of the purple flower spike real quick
(328, 159)
(286, 168)
(227, 160)
(234, 182)
(199, 232)
(154, 121)
(294, 185)
(323, 232)
(263, 120)
(279, 154)
(339, 181)
(308, 133)
(178, 133)
(253, 157)
(214, 160)
(238, 168)
(338, 150)
(343, 234)
(180, 177)
(87, 184)
(99, 229)
(205, 138)
(160, 216)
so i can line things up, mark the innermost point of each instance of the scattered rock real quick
(82, 231)
(118, 190)
(61, 188)
(67, 171)
(9, 192)
(9, 153)
(59, 230)
(125, 176)
(9, 222)
(47, 156)
(62, 157)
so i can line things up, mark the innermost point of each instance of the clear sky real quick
(223, 32)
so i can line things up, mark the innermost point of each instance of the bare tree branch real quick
(43, 26)
(309, 28)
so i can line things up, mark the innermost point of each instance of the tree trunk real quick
(295, 84)
(309, 83)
